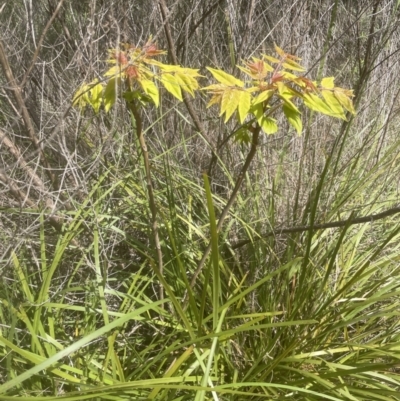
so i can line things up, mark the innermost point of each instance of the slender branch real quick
(256, 133)
(25, 166)
(150, 190)
(186, 98)
(333, 224)
(24, 199)
(197, 24)
(39, 44)
(247, 30)
(17, 92)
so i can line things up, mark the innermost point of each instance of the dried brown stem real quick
(186, 98)
(333, 224)
(4, 139)
(197, 24)
(39, 45)
(247, 31)
(24, 199)
(17, 93)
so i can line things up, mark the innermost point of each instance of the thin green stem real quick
(150, 190)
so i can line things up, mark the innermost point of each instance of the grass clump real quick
(145, 294)
(83, 318)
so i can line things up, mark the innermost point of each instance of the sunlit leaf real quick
(214, 88)
(96, 96)
(280, 51)
(252, 89)
(344, 100)
(162, 66)
(236, 98)
(229, 102)
(247, 71)
(193, 72)
(150, 88)
(110, 93)
(285, 90)
(289, 104)
(225, 78)
(328, 82)
(292, 65)
(263, 96)
(216, 99)
(289, 76)
(187, 81)
(81, 97)
(172, 85)
(315, 103)
(113, 71)
(269, 125)
(333, 103)
(271, 59)
(244, 105)
(293, 117)
(258, 111)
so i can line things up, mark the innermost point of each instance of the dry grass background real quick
(332, 38)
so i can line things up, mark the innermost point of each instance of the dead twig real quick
(333, 224)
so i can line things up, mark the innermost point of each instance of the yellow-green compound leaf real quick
(172, 85)
(216, 99)
(225, 78)
(151, 89)
(113, 71)
(258, 112)
(269, 125)
(280, 51)
(162, 66)
(214, 88)
(334, 105)
(187, 82)
(263, 96)
(81, 97)
(328, 82)
(271, 59)
(292, 65)
(289, 76)
(315, 103)
(293, 117)
(96, 96)
(284, 90)
(225, 98)
(110, 93)
(230, 101)
(344, 100)
(288, 103)
(244, 105)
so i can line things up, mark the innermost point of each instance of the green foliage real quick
(324, 330)
(270, 84)
(294, 319)
(266, 86)
(133, 74)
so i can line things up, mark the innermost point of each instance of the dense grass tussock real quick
(309, 315)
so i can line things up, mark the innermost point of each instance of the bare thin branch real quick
(333, 224)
